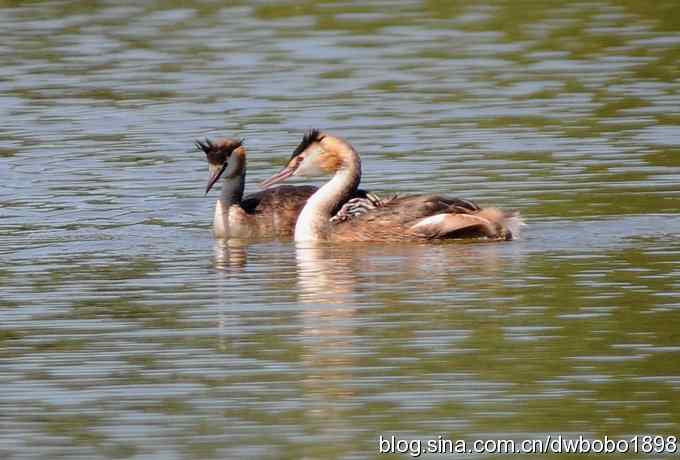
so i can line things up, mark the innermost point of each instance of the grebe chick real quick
(268, 213)
(407, 218)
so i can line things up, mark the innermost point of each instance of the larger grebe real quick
(415, 218)
(268, 213)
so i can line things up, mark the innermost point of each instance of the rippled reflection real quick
(231, 255)
(326, 284)
(126, 331)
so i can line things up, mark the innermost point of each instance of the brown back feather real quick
(395, 219)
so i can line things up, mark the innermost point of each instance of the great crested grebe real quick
(408, 218)
(268, 213)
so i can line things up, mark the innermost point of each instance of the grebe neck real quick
(313, 222)
(231, 194)
(232, 190)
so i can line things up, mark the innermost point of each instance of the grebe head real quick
(226, 157)
(317, 154)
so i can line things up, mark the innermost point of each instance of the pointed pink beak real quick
(280, 176)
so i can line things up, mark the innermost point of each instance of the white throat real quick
(312, 223)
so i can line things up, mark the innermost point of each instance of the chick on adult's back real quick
(410, 218)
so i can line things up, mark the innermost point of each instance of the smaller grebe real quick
(268, 213)
(408, 218)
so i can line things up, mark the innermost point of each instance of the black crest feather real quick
(311, 136)
(217, 152)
